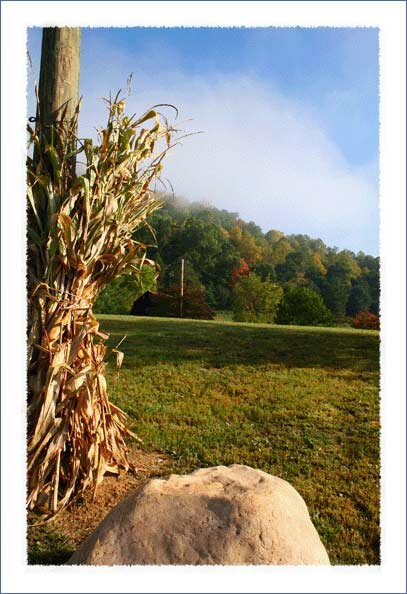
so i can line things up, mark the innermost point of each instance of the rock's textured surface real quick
(223, 515)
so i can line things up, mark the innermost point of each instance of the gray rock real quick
(215, 516)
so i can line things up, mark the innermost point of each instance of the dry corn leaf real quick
(119, 358)
(80, 238)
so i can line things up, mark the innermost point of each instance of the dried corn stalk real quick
(80, 232)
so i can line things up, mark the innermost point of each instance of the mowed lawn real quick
(300, 403)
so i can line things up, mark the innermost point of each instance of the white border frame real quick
(390, 17)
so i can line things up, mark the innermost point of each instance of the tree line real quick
(226, 258)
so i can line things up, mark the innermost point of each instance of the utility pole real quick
(58, 95)
(59, 73)
(58, 85)
(181, 302)
(58, 89)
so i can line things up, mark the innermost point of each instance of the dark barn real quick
(142, 304)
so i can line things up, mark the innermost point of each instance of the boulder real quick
(232, 515)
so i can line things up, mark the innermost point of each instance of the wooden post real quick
(181, 303)
(58, 89)
(59, 73)
(59, 80)
(58, 84)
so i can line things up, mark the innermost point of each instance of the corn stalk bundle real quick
(80, 237)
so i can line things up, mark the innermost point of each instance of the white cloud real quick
(262, 155)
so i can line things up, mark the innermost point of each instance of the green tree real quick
(371, 274)
(171, 275)
(303, 307)
(273, 236)
(294, 266)
(254, 300)
(337, 288)
(212, 242)
(118, 296)
(348, 260)
(265, 271)
(245, 243)
(208, 250)
(280, 251)
(359, 298)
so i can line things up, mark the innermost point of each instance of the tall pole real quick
(58, 94)
(181, 303)
(58, 89)
(59, 73)
(58, 85)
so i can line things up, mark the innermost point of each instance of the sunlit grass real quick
(300, 403)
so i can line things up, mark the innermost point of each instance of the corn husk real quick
(80, 237)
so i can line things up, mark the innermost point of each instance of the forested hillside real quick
(220, 249)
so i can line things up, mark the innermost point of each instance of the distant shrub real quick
(367, 320)
(303, 307)
(167, 304)
(241, 270)
(342, 321)
(254, 300)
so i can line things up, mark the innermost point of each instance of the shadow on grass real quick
(223, 344)
(47, 547)
(49, 557)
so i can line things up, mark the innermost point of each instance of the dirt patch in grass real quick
(53, 543)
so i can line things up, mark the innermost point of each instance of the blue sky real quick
(290, 117)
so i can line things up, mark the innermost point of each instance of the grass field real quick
(300, 403)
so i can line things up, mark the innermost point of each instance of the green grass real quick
(300, 403)
(48, 547)
(224, 316)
